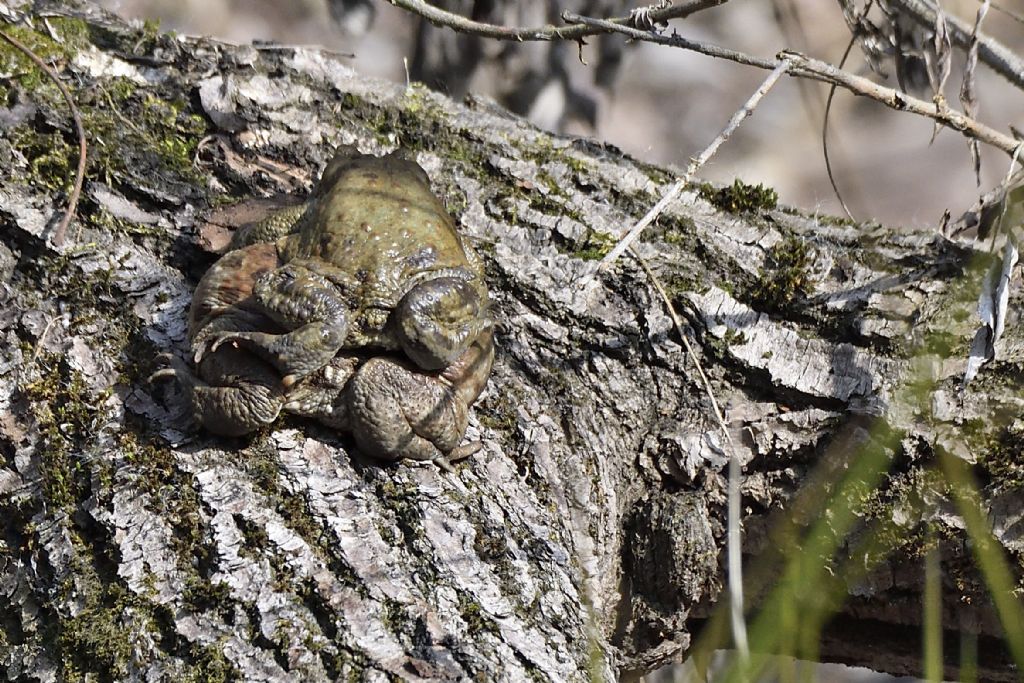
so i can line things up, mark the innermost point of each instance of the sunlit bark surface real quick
(585, 540)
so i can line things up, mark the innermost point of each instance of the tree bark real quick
(585, 541)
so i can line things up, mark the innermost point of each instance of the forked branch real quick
(456, 22)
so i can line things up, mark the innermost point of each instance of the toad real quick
(407, 310)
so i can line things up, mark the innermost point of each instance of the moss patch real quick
(68, 416)
(477, 621)
(138, 136)
(740, 197)
(1002, 459)
(596, 246)
(784, 279)
(95, 639)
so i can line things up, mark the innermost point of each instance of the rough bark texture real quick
(585, 541)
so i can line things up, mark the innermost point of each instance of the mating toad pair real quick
(363, 309)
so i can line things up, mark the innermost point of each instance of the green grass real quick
(840, 528)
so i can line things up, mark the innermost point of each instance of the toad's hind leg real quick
(399, 413)
(237, 393)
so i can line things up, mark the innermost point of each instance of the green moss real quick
(50, 157)
(544, 153)
(210, 665)
(134, 132)
(784, 279)
(150, 30)
(499, 414)
(404, 504)
(263, 464)
(394, 617)
(68, 416)
(118, 226)
(87, 293)
(159, 134)
(1002, 458)
(740, 197)
(579, 166)
(489, 546)
(256, 540)
(206, 595)
(902, 495)
(420, 125)
(98, 638)
(72, 35)
(734, 337)
(678, 231)
(596, 246)
(544, 203)
(170, 495)
(295, 511)
(416, 98)
(550, 184)
(477, 621)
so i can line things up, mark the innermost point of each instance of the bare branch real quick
(815, 69)
(824, 133)
(456, 22)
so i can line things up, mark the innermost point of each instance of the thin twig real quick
(734, 122)
(824, 134)
(734, 546)
(456, 22)
(815, 69)
(42, 339)
(1002, 213)
(76, 190)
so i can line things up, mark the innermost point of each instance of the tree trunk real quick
(585, 541)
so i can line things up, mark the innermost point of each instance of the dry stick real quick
(1002, 213)
(76, 191)
(456, 22)
(733, 543)
(815, 69)
(673, 192)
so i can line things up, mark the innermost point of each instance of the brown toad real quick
(409, 285)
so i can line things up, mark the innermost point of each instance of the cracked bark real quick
(585, 540)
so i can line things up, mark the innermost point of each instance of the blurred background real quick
(660, 104)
